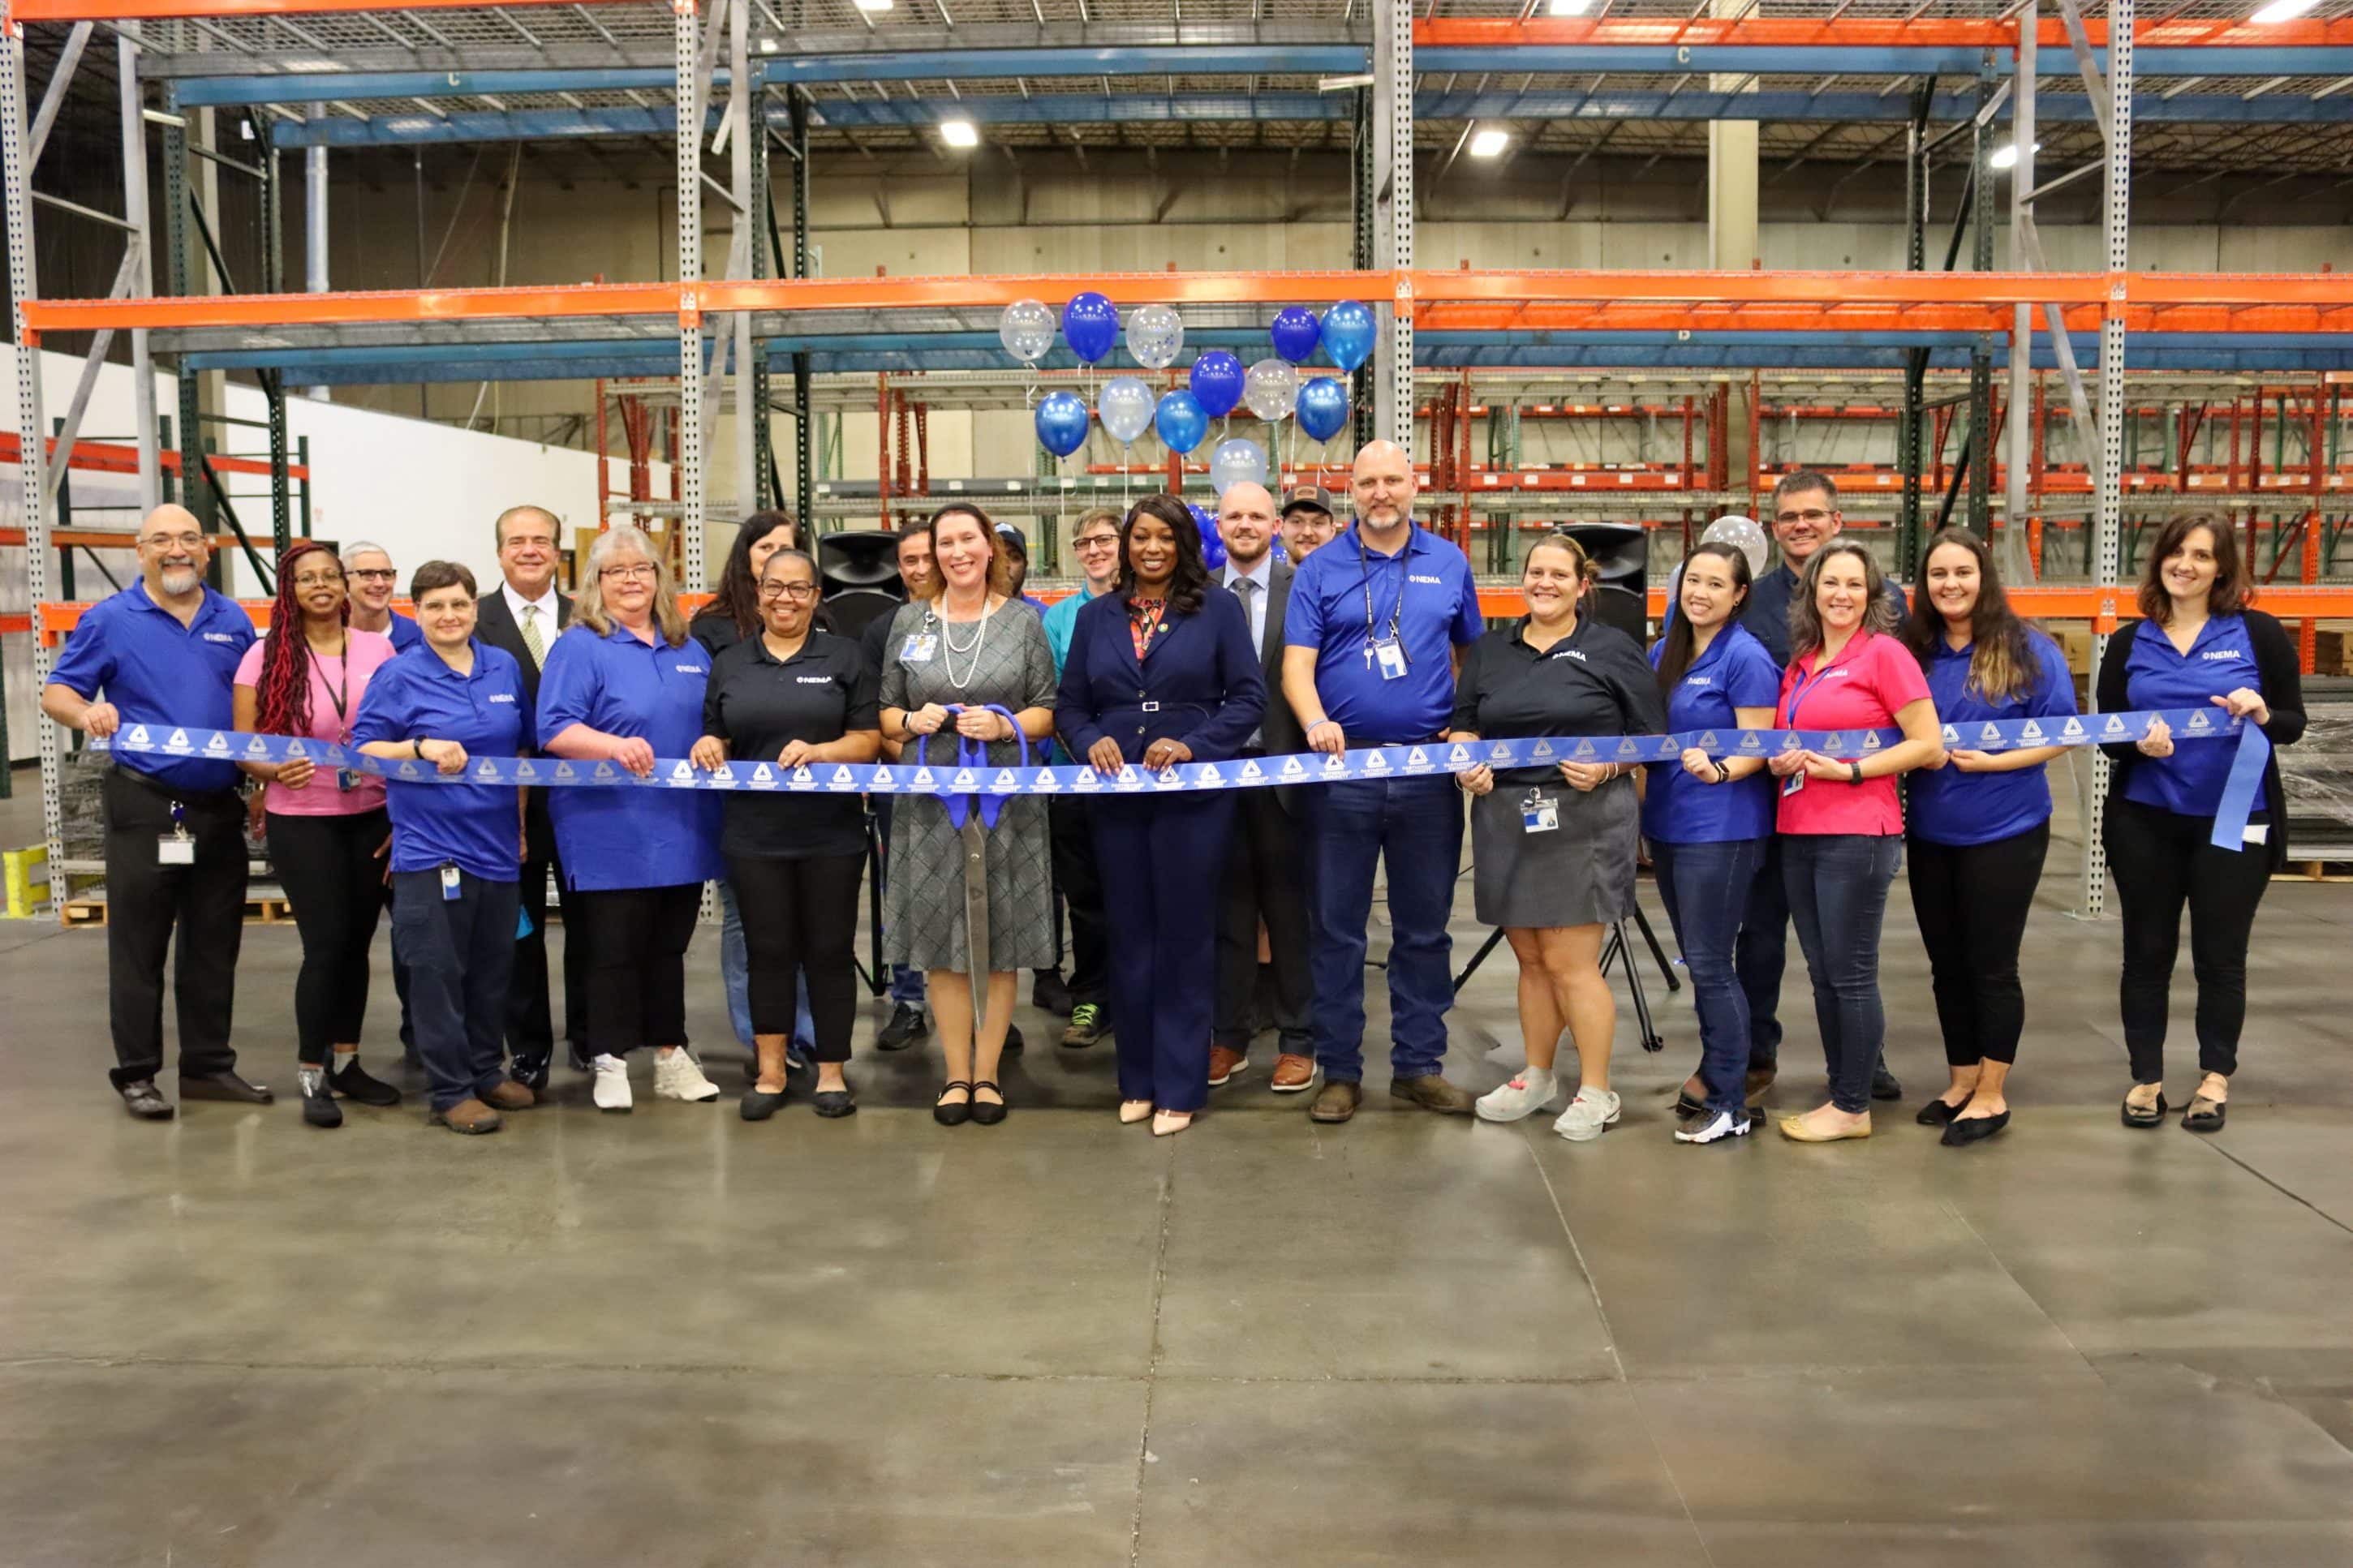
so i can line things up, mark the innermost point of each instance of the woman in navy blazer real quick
(1161, 671)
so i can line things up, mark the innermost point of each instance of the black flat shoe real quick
(988, 1113)
(354, 1083)
(145, 1100)
(1013, 1040)
(957, 1114)
(830, 1102)
(1884, 1084)
(2204, 1115)
(1974, 1130)
(319, 1107)
(1939, 1111)
(758, 1107)
(2145, 1116)
(224, 1084)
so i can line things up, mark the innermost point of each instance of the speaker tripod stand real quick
(1616, 949)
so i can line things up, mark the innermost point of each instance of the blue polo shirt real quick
(630, 836)
(477, 827)
(1426, 589)
(2219, 662)
(1949, 806)
(404, 633)
(160, 675)
(1767, 614)
(1734, 672)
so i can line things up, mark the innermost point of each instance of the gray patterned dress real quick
(923, 901)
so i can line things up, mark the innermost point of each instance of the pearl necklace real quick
(947, 635)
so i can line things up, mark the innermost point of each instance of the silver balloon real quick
(1271, 389)
(1027, 331)
(1744, 535)
(1235, 462)
(1155, 336)
(1125, 408)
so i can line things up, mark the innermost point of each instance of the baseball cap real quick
(1013, 540)
(1311, 496)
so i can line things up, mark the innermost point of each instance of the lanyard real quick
(343, 698)
(1805, 684)
(1364, 582)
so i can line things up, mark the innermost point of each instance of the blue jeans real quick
(1705, 888)
(736, 973)
(1415, 826)
(1760, 955)
(1838, 892)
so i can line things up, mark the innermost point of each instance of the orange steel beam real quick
(109, 458)
(1858, 32)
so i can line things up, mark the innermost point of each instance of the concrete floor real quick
(675, 1337)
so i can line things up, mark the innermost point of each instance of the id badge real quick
(449, 888)
(1792, 784)
(1389, 655)
(346, 780)
(919, 647)
(1539, 813)
(175, 848)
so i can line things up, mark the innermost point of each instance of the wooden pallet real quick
(264, 906)
(2331, 868)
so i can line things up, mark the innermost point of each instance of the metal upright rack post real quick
(1393, 215)
(2117, 221)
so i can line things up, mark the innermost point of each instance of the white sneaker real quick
(612, 1088)
(1587, 1114)
(679, 1076)
(1721, 1125)
(1528, 1092)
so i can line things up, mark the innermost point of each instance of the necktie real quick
(1247, 588)
(531, 636)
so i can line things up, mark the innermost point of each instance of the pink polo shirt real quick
(370, 652)
(1862, 689)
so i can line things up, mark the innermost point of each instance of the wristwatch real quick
(1854, 773)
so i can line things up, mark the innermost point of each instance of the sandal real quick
(2204, 1115)
(954, 1115)
(988, 1113)
(2146, 1115)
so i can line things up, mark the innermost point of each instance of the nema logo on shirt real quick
(2220, 653)
(218, 636)
(813, 680)
(501, 697)
(1433, 582)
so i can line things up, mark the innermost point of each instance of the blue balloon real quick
(1322, 407)
(1213, 548)
(1090, 325)
(1181, 421)
(1295, 333)
(1348, 333)
(1061, 422)
(1217, 380)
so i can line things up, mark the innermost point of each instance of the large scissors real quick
(972, 815)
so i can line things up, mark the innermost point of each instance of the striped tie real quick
(531, 636)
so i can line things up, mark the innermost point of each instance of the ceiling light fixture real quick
(2006, 155)
(1568, 7)
(874, 5)
(2281, 11)
(1489, 142)
(959, 133)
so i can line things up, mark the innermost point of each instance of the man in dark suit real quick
(1265, 875)
(523, 616)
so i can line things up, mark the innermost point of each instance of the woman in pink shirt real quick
(1842, 826)
(328, 831)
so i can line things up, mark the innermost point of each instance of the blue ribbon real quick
(2238, 802)
(971, 776)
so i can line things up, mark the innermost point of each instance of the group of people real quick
(1370, 636)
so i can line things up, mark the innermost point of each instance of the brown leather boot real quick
(1433, 1092)
(512, 1096)
(1336, 1101)
(467, 1115)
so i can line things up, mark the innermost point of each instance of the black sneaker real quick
(1049, 992)
(1884, 1085)
(145, 1100)
(355, 1083)
(907, 1026)
(319, 1107)
(1013, 1042)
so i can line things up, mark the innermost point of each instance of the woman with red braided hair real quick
(327, 827)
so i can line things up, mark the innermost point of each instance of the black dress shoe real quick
(988, 1113)
(578, 1054)
(1884, 1084)
(224, 1084)
(758, 1107)
(531, 1071)
(1013, 1040)
(1049, 992)
(2145, 1116)
(831, 1102)
(907, 1025)
(1974, 1130)
(145, 1100)
(1940, 1112)
(354, 1083)
(319, 1107)
(954, 1113)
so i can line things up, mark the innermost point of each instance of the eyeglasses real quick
(640, 573)
(799, 593)
(313, 580)
(376, 575)
(173, 541)
(1099, 541)
(1816, 517)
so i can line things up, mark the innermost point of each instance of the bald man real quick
(1265, 873)
(158, 658)
(1375, 620)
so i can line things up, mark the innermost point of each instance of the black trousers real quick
(800, 918)
(531, 1022)
(461, 957)
(1265, 880)
(1079, 882)
(147, 902)
(635, 939)
(2161, 860)
(333, 879)
(1971, 901)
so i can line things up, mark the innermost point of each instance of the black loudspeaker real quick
(1621, 597)
(858, 576)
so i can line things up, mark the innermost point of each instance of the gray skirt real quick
(1580, 873)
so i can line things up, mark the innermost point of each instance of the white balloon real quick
(1745, 534)
(1234, 462)
(1027, 331)
(1271, 389)
(1125, 408)
(1155, 336)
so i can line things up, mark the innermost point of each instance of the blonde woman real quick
(623, 686)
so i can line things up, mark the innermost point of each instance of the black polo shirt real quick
(1594, 681)
(758, 706)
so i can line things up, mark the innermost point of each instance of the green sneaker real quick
(1088, 1025)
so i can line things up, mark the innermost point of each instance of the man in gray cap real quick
(1307, 521)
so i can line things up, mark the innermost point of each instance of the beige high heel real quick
(1132, 1111)
(1165, 1124)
